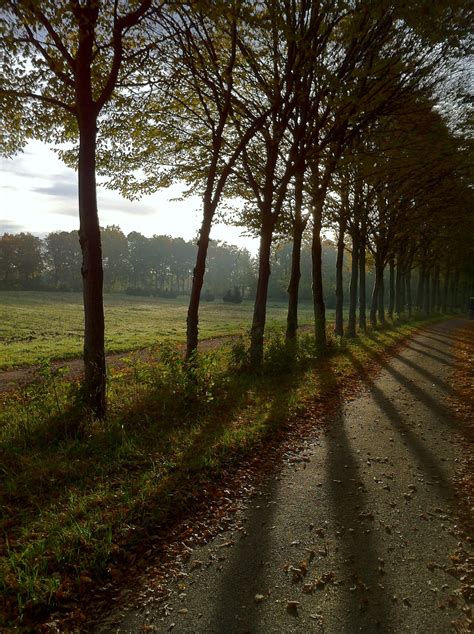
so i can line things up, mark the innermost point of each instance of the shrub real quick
(208, 296)
(138, 292)
(233, 296)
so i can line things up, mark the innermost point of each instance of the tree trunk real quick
(426, 299)
(433, 300)
(295, 276)
(438, 290)
(351, 323)
(444, 307)
(260, 306)
(456, 292)
(399, 288)
(391, 302)
(318, 296)
(373, 305)
(192, 321)
(362, 286)
(91, 270)
(379, 270)
(420, 292)
(339, 325)
(293, 286)
(408, 292)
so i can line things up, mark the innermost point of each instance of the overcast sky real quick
(38, 193)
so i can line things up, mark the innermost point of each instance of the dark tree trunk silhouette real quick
(444, 308)
(408, 293)
(391, 301)
(362, 283)
(293, 286)
(420, 292)
(318, 295)
(399, 287)
(321, 186)
(379, 270)
(427, 295)
(192, 320)
(339, 325)
(92, 272)
(373, 303)
(351, 322)
(299, 225)
(260, 306)
(377, 304)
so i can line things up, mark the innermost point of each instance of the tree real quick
(8, 248)
(65, 60)
(63, 259)
(115, 258)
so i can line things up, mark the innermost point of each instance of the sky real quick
(38, 194)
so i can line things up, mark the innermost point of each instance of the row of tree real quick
(347, 113)
(133, 263)
(159, 265)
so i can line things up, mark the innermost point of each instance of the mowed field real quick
(35, 326)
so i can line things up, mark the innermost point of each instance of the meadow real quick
(35, 325)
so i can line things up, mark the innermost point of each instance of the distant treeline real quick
(160, 266)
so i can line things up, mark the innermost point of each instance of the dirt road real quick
(359, 535)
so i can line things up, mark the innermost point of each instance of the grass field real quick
(35, 325)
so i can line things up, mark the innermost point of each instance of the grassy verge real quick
(74, 492)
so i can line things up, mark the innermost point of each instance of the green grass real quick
(75, 493)
(35, 325)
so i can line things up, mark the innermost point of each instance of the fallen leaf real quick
(197, 563)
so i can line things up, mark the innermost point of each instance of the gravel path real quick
(360, 533)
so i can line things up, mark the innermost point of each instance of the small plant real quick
(239, 354)
(279, 354)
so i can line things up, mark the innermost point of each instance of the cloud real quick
(65, 210)
(59, 187)
(19, 165)
(109, 204)
(7, 226)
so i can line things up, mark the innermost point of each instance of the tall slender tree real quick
(65, 61)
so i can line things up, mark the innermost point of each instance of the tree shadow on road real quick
(428, 460)
(366, 606)
(362, 604)
(429, 376)
(440, 336)
(445, 359)
(236, 609)
(436, 406)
